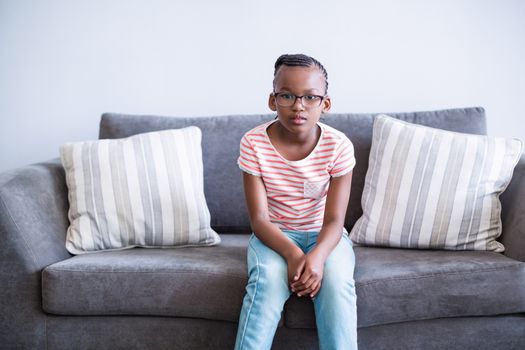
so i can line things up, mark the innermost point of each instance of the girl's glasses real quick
(285, 99)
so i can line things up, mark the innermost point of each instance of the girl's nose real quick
(298, 104)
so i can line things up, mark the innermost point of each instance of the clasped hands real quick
(305, 273)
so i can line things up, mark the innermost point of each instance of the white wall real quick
(64, 62)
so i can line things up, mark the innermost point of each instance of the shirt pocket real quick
(314, 189)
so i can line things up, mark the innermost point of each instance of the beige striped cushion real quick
(145, 190)
(430, 188)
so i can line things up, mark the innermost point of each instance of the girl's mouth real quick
(298, 120)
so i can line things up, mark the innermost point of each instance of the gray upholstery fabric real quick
(159, 333)
(200, 282)
(33, 220)
(393, 285)
(404, 284)
(35, 207)
(222, 178)
(398, 285)
(504, 332)
(513, 214)
(472, 333)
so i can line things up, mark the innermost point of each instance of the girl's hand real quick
(310, 281)
(295, 266)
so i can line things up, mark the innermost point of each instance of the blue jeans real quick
(268, 290)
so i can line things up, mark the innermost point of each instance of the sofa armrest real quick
(513, 214)
(33, 224)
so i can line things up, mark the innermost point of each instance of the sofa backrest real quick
(220, 147)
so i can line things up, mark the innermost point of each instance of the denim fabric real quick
(268, 290)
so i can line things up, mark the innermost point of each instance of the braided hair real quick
(299, 60)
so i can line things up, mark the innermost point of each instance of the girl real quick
(297, 174)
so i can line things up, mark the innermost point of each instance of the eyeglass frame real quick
(321, 98)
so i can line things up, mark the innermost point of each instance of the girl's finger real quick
(307, 287)
(315, 290)
(310, 283)
(297, 284)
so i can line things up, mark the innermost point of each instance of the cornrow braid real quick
(299, 60)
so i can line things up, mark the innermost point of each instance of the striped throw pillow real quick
(145, 190)
(434, 189)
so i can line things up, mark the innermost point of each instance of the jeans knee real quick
(273, 276)
(339, 269)
(336, 283)
(267, 268)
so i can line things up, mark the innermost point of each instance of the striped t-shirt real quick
(296, 190)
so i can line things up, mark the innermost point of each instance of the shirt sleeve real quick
(344, 160)
(248, 161)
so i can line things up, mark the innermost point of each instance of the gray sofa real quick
(190, 298)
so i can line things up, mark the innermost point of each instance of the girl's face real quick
(295, 114)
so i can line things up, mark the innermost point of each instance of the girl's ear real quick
(327, 104)
(271, 102)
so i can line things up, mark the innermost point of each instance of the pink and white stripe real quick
(296, 190)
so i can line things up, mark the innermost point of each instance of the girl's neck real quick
(292, 146)
(285, 136)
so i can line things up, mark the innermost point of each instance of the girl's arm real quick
(330, 234)
(265, 230)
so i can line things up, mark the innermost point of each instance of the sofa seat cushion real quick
(198, 282)
(397, 285)
(393, 285)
